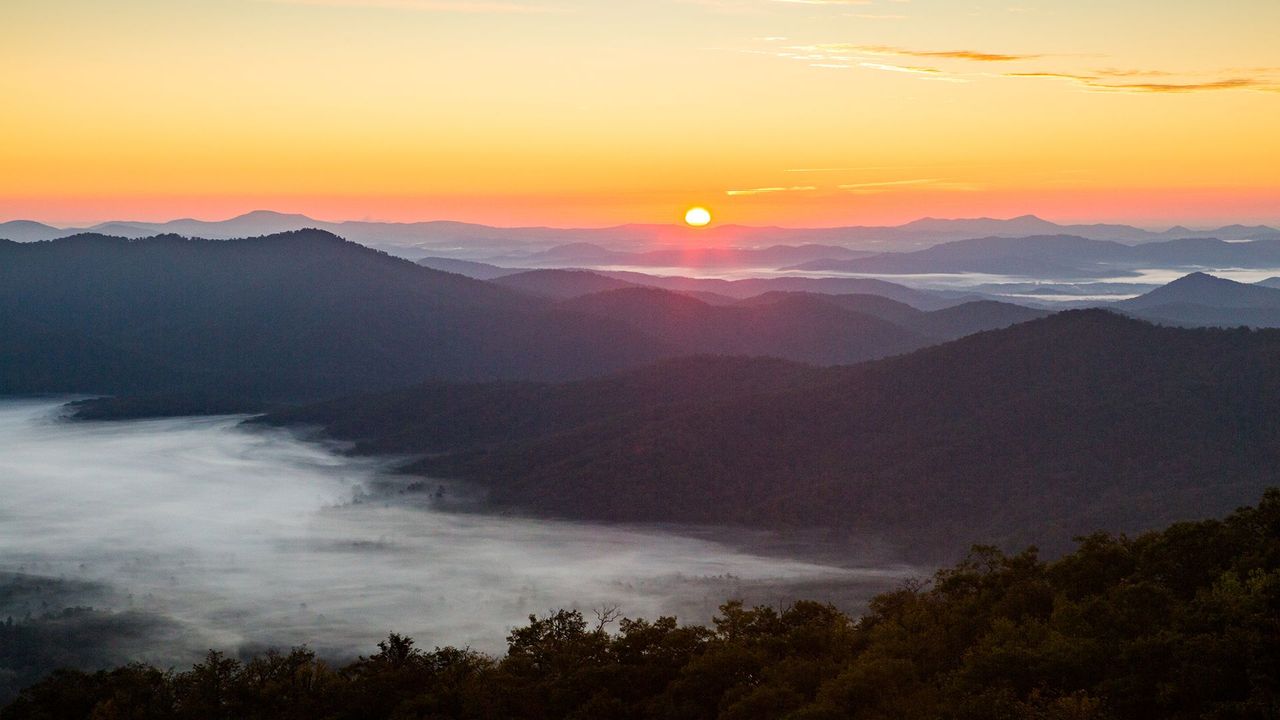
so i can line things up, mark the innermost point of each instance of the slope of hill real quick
(561, 284)
(945, 324)
(1202, 289)
(1044, 431)
(751, 287)
(801, 327)
(289, 315)
(1177, 624)
(469, 268)
(1048, 256)
(439, 417)
(1061, 256)
(568, 283)
(1199, 299)
(688, 256)
(28, 231)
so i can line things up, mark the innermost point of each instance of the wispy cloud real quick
(867, 188)
(487, 7)
(863, 168)
(767, 190)
(901, 68)
(1124, 73)
(1227, 84)
(973, 55)
(824, 2)
(1105, 81)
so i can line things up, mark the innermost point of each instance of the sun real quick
(697, 217)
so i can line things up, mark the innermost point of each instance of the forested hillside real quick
(295, 315)
(1171, 625)
(1038, 432)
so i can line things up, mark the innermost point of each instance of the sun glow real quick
(697, 217)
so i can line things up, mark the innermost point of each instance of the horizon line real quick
(91, 225)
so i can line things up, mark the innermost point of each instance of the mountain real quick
(945, 324)
(1046, 256)
(438, 417)
(898, 313)
(1021, 226)
(469, 241)
(1201, 299)
(1203, 289)
(258, 222)
(1045, 430)
(1272, 282)
(561, 284)
(470, 268)
(751, 287)
(299, 314)
(1060, 257)
(688, 256)
(28, 231)
(1230, 233)
(802, 328)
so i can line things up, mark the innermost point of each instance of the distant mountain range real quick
(1199, 299)
(1061, 257)
(284, 316)
(572, 283)
(303, 315)
(585, 401)
(692, 256)
(1046, 430)
(471, 242)
(796, 327)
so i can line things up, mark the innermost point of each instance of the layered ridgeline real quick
(1064, 256)
(530, 241)
(291, 315)
(1041, 431)
(1179, 624)
(303, 315)
(1200, 299)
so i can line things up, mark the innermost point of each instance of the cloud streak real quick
(768, 190)
(1105, 81)
(971, 55)
(480, 7)
(901, 68)
(868, 188)
(1108, 80)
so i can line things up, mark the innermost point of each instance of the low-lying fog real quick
(237, 538)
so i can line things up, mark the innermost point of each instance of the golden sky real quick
(599, 112)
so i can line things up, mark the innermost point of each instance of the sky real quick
(602, 112)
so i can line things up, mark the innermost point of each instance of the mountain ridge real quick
(1048, 429)
(409, 237)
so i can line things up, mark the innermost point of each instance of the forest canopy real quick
(1179, 623)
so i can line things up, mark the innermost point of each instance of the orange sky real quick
(577, 112)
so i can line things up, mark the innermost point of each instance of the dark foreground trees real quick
(1183, 623)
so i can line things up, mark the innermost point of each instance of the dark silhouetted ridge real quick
(1044, 430)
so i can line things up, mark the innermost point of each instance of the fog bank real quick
(232, 537)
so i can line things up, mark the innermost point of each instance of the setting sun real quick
(697, 217)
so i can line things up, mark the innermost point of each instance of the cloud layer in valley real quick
(239, 538)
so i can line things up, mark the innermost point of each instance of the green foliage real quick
(1183, 623)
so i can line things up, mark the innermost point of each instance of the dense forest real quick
(1179, 623)
(1035, 433)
